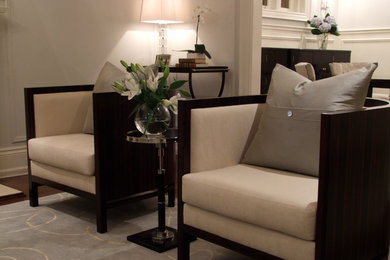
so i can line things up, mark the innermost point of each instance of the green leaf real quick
(162, 81)
(316, 31)
(207, 54)
(177, 84)
(166, 72)
(334, 31)
(135, 109)
(185, 92)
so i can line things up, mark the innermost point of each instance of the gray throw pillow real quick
(108, 74)
(288, 135)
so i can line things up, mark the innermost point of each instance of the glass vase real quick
(152, 121)
(322, 41)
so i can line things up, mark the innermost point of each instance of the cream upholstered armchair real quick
(273, 182)
(379, 88)
(306, 69)
(92, 161)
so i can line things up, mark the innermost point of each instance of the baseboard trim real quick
(13, 172)
(13, 161)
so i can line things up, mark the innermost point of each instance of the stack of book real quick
(191, 63)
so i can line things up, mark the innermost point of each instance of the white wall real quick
(363, 14)
(364, 27)
(57, 42)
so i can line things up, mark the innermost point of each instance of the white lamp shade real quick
(159, 11)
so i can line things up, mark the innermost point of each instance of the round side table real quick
(161, 238)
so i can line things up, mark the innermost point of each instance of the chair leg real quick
(383, 257)
(183, 250)
(101, 218)
(33, 194)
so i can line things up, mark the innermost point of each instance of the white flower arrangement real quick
(148, 88)
(326, 25)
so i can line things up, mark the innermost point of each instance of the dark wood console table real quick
(378, 83)
(320, 60)
(208, 69)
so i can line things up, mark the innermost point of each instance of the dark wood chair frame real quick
(121, 171)
(353, 201)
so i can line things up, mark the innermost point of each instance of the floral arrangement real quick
(151, 91)
(322, 26)
(146, 87)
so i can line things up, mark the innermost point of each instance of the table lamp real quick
(161, 12)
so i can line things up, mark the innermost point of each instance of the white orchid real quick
(200, 12)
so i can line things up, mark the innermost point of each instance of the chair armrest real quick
(122, 168)
(213, 133)
(353, 199)
(47, 113)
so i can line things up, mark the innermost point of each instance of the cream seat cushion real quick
(72, 152)
(273, 199)
(263, 239)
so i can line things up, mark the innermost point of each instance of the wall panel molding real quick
(19, 139)
(3, 6)
(366, 40)
(365, 31)
(284, 15)
(289, 28)
(281, 38)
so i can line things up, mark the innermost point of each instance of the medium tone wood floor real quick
(21, 183)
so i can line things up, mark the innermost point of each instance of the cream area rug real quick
(63, 227)
(6, 192)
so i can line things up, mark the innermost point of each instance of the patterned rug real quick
(63, 227)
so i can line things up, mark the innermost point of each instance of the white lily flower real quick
(173, 103)
(132, 85)
(140, 68)
(152, 80)
(166, 103)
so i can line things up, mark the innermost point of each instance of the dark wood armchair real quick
(113, 170)
(351, 213)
